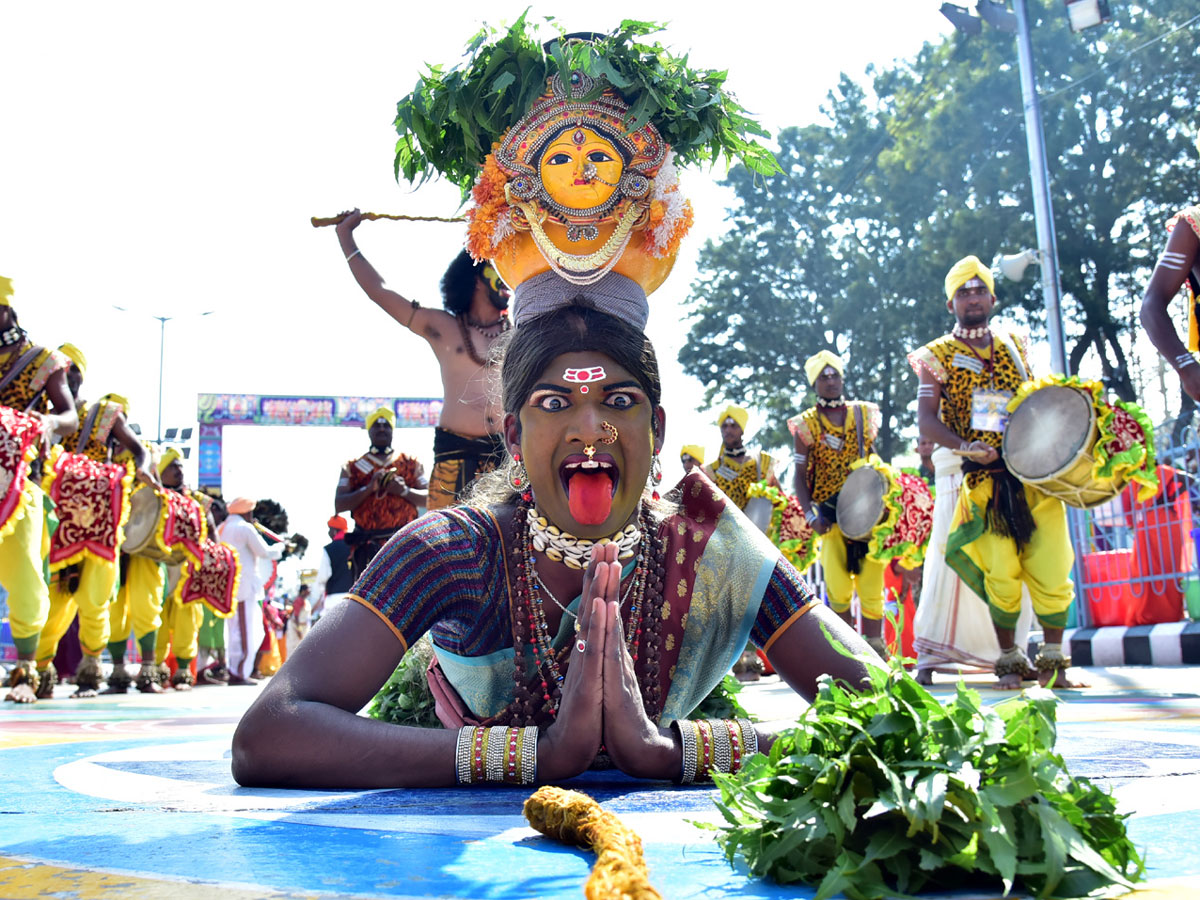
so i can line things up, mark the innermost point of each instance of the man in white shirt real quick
(245, 627)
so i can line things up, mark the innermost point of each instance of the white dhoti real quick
(241, 652)
(953, 629)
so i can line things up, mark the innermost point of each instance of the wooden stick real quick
(334, 220)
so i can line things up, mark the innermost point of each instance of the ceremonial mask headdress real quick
(816, 364)
(578, 196)
(963, 271)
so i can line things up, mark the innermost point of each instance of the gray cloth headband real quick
(615, 295)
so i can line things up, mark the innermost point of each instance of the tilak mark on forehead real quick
(583, 376)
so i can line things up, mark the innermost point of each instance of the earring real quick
(518, 477)
(656, 475)
(610, 433)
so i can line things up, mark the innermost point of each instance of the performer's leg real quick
(839, 587)
(93, 595)
(997, 557)
(1047, 561)
(58, 622)
(120, 624)
(186, 634)
(21, 554)
(869, 584)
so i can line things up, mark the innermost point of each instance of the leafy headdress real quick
(568, 151)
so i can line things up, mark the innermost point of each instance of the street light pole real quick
(1043, 213)
(162, 342)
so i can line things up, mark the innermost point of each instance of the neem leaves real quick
(887, 793)
(449, 122)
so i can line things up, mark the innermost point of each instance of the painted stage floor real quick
(131, 797)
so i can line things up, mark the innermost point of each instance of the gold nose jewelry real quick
(610, 433)
(589, 450)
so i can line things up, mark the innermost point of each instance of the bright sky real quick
(166, 159)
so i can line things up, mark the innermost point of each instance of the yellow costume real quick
(832, 450)
(990, 562)
(91, 593)
(27, 541)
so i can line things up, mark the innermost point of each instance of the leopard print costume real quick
(833, 450)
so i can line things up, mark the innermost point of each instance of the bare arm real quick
(141, 459)
(347, 499)
(800, 487)
(62, 419)
(1180, 256)
(932, 427)
(403, 310)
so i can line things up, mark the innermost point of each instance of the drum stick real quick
(970, 454)
(334, 220)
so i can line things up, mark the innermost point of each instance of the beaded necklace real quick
(466, 337)
(835, 403)
(539, 693)
(970, 334)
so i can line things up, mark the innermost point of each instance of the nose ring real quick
(610, 434)
(590, 450)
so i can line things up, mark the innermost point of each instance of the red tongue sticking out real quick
(590, 497)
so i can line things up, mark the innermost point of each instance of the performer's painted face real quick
(580, 169)
(588, 497)
(497, 289)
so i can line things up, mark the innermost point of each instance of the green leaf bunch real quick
(405, 698)
(449, 122)
(886, 792)
(722, 702)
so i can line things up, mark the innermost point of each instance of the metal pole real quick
(1043, 214)
(162, 340)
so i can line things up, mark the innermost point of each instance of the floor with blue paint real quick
(130, 796)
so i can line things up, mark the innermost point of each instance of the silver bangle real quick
(687, 737)
(749, 739)
(722, 747)
(812, 515)
(462, 754)
(529, 739)
(354, 254)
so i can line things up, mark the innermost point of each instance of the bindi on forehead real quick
(584, 376)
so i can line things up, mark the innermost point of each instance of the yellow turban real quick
(6, 291)
(695, 451)
(963, 271)
(169, 455)
(382, 413)
(736, 413)
(75, 355)
(815, 364)
(123, 402)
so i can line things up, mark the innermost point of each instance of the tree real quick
(848, 248)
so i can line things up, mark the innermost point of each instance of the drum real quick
(146, 510)
(860, 504)
(19, 436)
(165, 526)
(91, 501)
(784, 523)
(889, 509)
(215, 581)
(1065, 439)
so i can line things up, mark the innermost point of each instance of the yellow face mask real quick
(492, 277)
(580, 169)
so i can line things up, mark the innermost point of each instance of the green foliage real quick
(915, 166)
(887, 792)
(405, 699)
(722, 702)
(453, 116)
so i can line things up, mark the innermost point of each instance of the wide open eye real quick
(549, 401)
(599, 156)
(558, 159)
(620, 400)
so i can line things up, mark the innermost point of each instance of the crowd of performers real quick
(101, 540)
(577, 608)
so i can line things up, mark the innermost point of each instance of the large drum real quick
(91, 502)
(1066, 440)
(20, 434)
(785, 524)
(891, 510)
(165, 526)
(758, 510)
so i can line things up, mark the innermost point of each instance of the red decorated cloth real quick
(184, 528)
(215, 581)
(916, 514)
(19, 436)
(92, 504)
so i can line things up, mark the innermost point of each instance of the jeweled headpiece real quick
(579, 196)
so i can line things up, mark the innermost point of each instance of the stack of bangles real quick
(714, 745)
(499, 753)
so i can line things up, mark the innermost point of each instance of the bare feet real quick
(21, 693)
(1009, 682)
(1058, 678)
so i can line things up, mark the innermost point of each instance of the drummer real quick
(735, 469)
(1178, 266)
(691, 456)
(88, 585)
(828, 439)
(1004, 533)
(32, 379)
